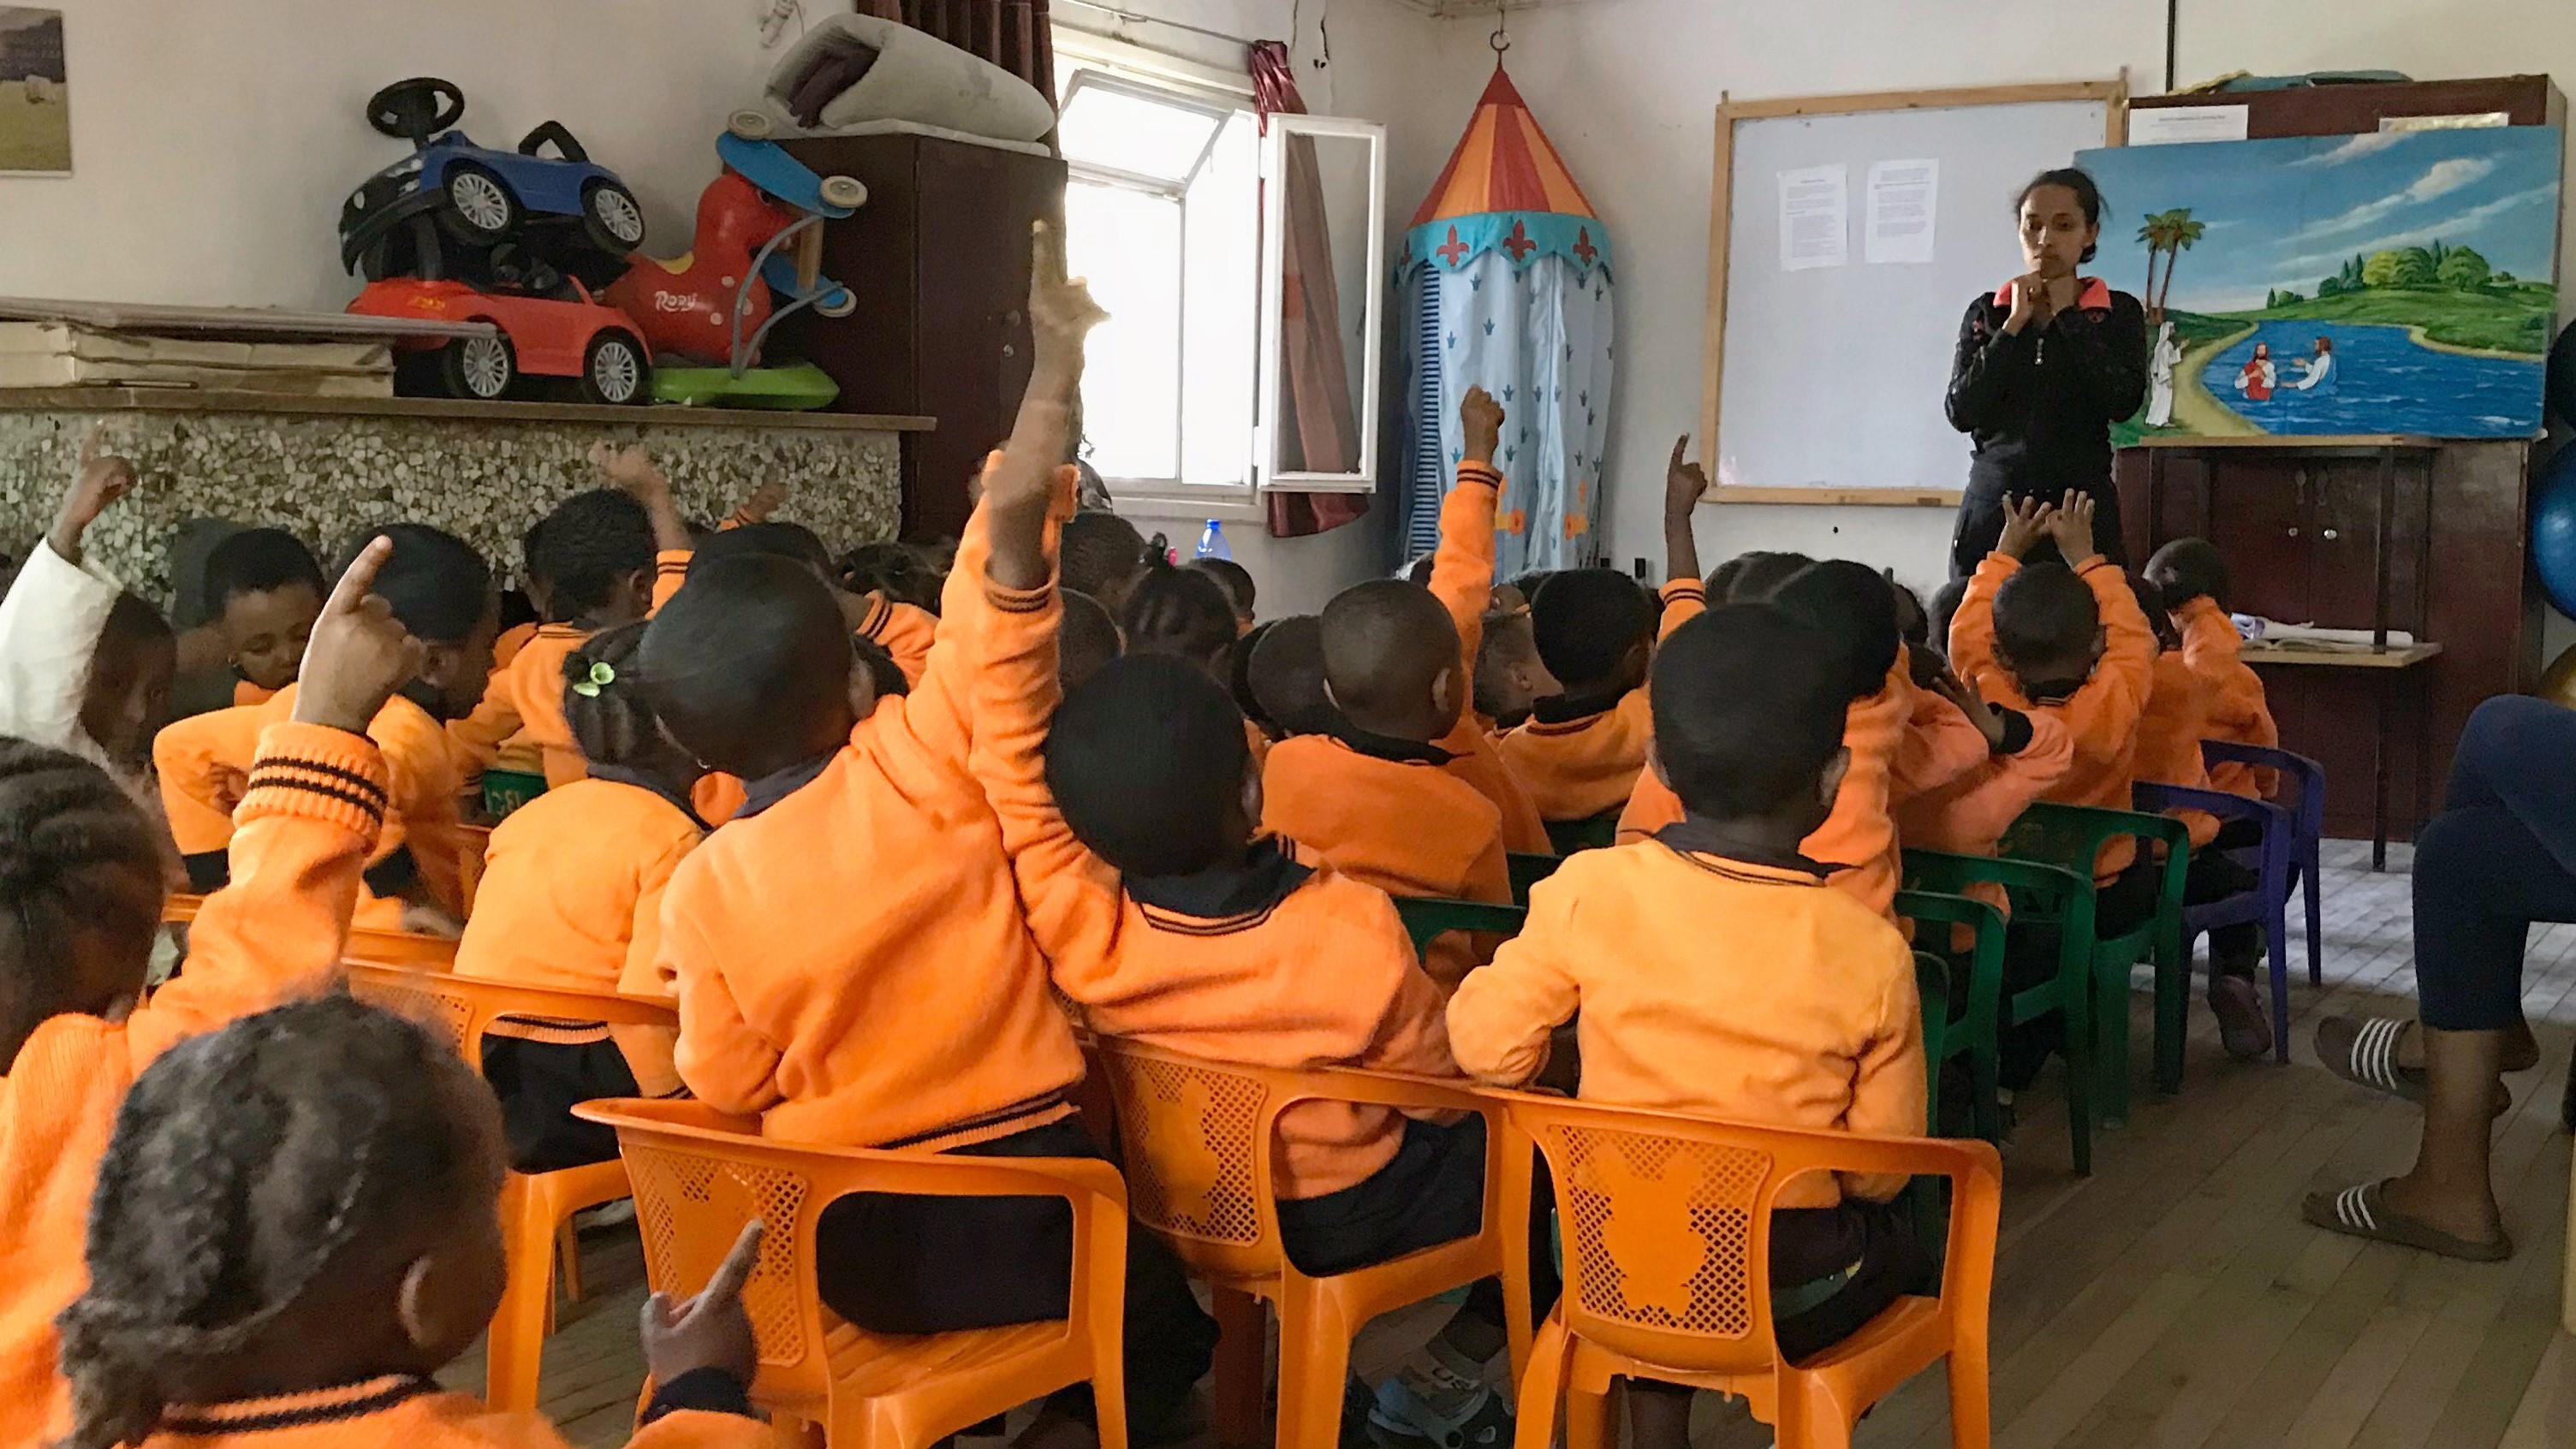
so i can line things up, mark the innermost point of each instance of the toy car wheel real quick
(839, 302)
(611, 217)
(478, 369)
(613, 371)
(480, 207)
(750, 125)
(847, 191)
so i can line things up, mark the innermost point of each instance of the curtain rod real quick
(1132, 18)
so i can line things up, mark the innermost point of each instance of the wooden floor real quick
(2173, 1299)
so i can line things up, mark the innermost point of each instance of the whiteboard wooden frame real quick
(2114, 95)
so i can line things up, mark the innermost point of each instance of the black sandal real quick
(2369, 1060)
(2363, 1212)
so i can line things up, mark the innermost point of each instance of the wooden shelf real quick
(2351, 443)
(2407, 658)
(181, 400)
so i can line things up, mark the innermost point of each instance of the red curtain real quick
(1010, 33)
(1326, 435)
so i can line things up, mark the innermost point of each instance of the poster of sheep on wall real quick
(2396, 282)
(35, 94)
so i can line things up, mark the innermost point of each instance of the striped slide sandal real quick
(2363, 1212)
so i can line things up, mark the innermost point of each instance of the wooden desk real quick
(2392, 670)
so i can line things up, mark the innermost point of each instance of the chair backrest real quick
(1529, 870)
(1599, 832)
(1427, 920)
(399, 948)
(699, 1175)
(1667, 1222)
(459, 1009)
(1195, 1134)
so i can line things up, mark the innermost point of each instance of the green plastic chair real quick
(1598, 833)
(1971, 1035)
(1428, 920)
(2072, 836)
(2049, 893)
(507, 790)
(1529, 870)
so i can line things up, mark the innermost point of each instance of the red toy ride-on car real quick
(564, 336)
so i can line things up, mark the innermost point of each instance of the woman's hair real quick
(1181, 612)
(604, 697)
(2088, 196)
(247, 1164)
(65, 830)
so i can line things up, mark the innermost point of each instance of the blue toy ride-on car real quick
(560, 204)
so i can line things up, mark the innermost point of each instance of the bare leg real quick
(2521, 1051)
(2449, 1188)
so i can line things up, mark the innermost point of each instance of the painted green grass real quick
(34, 136)
(2513, 318)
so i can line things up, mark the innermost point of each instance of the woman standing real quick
(2045, 366)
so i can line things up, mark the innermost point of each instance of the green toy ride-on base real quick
(801, 388)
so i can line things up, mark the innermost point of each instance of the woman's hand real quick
(2030, 305)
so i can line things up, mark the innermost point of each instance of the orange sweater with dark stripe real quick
(1407, 828)
(415, 1415)
(852, 961)
(1323, 975)
(1581, 768)
(308, 818)
(905, 632)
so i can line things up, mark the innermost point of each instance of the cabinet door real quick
(2344, 579)
(2258, 516)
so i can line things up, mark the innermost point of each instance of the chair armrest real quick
(1935, 870)
(1985, 964)
(2288, 763)
(2073, 835)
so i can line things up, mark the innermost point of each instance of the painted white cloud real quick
(2445, 229)
(2439, 179)
(2368, 143)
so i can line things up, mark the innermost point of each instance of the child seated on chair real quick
(1240, 590)
(1285, 678)
(1373, 799)
(852, 959)
(2193, 575)
(296, 1225)
(899, 631)
(1710, 970)
(263, 591)
(1168, 921)
(81, 881)
(1104, 556)
(440, 590)
(571, 897)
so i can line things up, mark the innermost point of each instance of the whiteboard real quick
(1825, 383)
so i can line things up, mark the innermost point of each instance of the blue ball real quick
(2553, 528)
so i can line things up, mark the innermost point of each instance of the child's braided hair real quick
(65, 829)
(245, 1162)
(603, 702)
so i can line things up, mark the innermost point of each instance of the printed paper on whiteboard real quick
(1904, 199)
(2186, 125)
(1815, 217)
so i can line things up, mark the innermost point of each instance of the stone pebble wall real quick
(325, 477)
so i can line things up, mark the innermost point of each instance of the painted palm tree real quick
(2180, 234)
(2155, 235)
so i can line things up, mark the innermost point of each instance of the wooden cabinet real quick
(2300, 528)
(939, 262)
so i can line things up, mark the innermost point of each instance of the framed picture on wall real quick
(35, 94)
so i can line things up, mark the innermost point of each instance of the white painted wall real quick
(1628, 90)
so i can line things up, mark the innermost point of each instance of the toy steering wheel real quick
(416, 109)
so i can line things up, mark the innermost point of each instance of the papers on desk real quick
(2257, 630)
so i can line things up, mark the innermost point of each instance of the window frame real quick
(1269, 406)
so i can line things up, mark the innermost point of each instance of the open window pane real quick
(1128, 243)
(1221, 308)
(1323, 208)
(1127, 132)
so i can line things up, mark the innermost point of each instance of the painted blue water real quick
(2382, 383)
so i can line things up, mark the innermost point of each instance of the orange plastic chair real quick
(536, 1208)
(700, 1175)
(400, 948)
(1667, 1232)
(1197, 1137)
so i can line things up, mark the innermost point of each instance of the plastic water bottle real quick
(1212, 542)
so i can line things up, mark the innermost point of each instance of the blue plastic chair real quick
(2266, 905)
(2303, 794)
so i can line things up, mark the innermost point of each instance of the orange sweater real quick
(1271, 965)
(1579, 768)
(1969, 815)
(1708, 985)
(851, 959)
(2169, 736)
(307, 820)
(1407, 828)
(2239, 713)
(905, 632)
(572, 897)
(526, 693)
(1462, 578)
(1903, 741)
(204, 765)
(245, 692)
(2101, 716)
(506, 647)
(416, 1414)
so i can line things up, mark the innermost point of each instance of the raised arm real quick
(55, 612)
(1685, 484)
(1462, 569)
(1972, 629)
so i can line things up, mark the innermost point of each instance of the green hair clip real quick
(601, 672)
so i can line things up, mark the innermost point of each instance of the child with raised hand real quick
(297, 1223)
(81, 891)
(84, 666)
(440, 590)
(2193, 575)
(572, 897)
(1709, 970)
(898, 631)
(853, 962)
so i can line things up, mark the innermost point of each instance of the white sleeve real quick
(50, 625)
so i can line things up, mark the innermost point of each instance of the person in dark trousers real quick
(2045, 366)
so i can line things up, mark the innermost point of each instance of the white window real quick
(1165, 214)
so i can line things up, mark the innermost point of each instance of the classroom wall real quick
(1628, 90)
